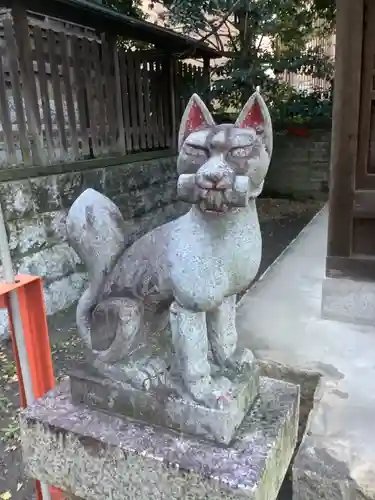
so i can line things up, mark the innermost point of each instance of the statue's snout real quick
(215, 176)
(188, 190)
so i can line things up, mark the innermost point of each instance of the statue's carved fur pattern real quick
(185, 273)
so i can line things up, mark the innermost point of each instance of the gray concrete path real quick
(280, 319)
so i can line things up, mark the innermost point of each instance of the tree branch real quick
(215, 28)
(222, 21)
(217, 36)
(230, 36)
(260, 42)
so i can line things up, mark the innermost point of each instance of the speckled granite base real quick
(165, 407)
(94, 455)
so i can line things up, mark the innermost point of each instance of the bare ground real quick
(281, 221)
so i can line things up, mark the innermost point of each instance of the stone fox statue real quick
(185, 273)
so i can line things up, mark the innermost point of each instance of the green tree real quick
(129, 7)
(238, 30)
(287, 25)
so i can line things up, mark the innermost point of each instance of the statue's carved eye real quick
(241, 151)
(194, 150)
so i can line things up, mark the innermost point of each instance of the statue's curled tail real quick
(95, 230)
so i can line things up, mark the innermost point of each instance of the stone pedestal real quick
(164, 407)
(91, 454)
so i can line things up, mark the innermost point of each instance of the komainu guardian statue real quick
(160, 316)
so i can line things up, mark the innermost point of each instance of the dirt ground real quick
(281, 221)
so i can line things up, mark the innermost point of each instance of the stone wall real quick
(300, 165)
(36, 207)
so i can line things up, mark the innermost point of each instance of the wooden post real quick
(160, 77)
(172, 84)
(57, 94)
(140, 101)
(17, 90)
(80, 89)
(5, 118)
(207, 80)
(108, 43)
(119, 105)
(345, 128)
(134, 119)
(125, 100)
(21, 30)
(43, 85)
(64, 52)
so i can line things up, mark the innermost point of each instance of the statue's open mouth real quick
(213, 200)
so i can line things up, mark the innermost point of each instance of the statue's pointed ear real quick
(255, 115)
(196, 116)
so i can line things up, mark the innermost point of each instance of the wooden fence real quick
(309, 83)
(306, 83)
(65, 97)
(189, 78)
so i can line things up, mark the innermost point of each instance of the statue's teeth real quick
(210, 199)
(218, 200)
(227, 195)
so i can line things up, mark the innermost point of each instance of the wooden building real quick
(69, 91)
(349, 289)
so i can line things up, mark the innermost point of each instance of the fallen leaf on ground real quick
(6, 495)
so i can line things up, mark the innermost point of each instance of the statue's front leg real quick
(189, 335)
(223, 338)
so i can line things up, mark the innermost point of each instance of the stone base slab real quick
(165, 407)
(91, 454)
(348, 300)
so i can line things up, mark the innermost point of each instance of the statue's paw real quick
(240, 362)
(141, 380)
(215, 393)
(156, 373)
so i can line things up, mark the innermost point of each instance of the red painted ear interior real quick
(254, 117)
(195, 119)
